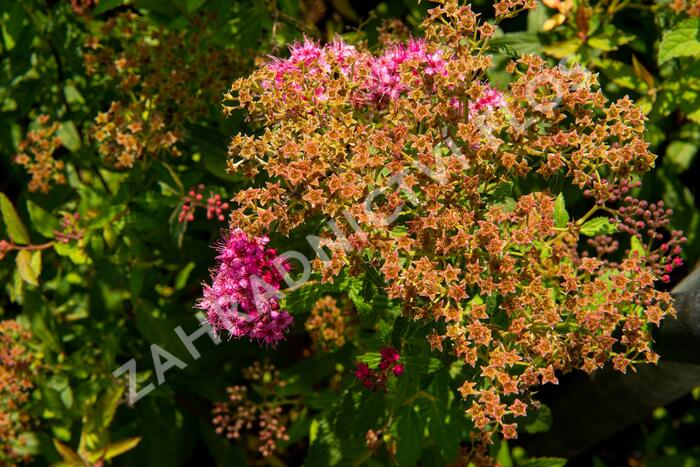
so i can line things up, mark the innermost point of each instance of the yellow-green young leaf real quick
(68, 454)
(42, 220)
(561, 217)
(115, 449)
(35, 262)
(563, 49)
(25, 266)
(598, 226)
(15, 228)
(681, 41)
(641, 72)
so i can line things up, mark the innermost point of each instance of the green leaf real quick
(536, 18)
(324, 449)
(371, 359)
(106, 5)
(420, 365)
(42, 220)
(621, 74)
(543, 462)
(561, 217)
(681, 41)
(28, 266)
(598, 226)
(680, 155)
(70, 138)
(409, 431)
(98, 418)
(537, 421)
(520, 42)
(75, 252)
(564, 48)
(15, 228)
(443, 432)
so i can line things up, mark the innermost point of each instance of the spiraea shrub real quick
(442, 193)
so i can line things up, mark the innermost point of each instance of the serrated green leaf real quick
(15, 228)
(42, 220)
(561, 216)
(681, 41)
(598, 226)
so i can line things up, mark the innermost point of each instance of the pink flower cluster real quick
(376, 379)
(384, 80)
(243, 297)
(386, 73)
(312, 61)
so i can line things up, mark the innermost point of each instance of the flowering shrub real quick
(505, 278)
(423, 226)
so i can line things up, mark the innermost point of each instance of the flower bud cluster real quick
(194, 199)
(70, 229)
(241, 413)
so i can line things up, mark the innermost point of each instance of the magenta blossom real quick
(243, 297)
(491, 99)
(386, 69)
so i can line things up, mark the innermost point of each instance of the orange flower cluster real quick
(328, 324)
(433, 184)
(241, 412)
(125, 135)
(17, 366)
(36, 155)
(167, 78)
